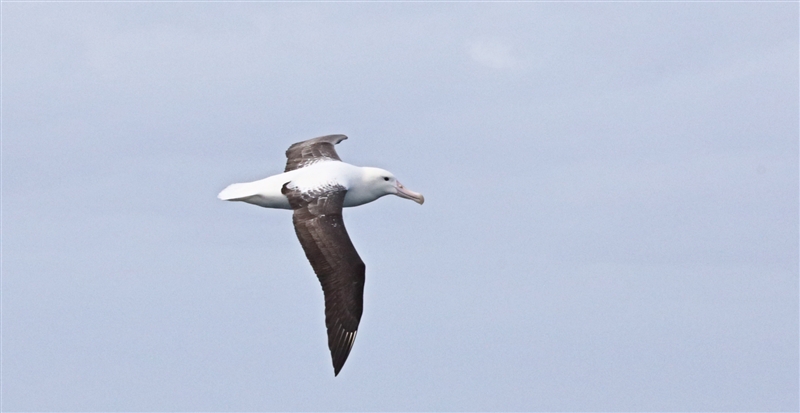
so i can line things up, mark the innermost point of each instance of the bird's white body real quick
(363, 184)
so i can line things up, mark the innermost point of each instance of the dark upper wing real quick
(312, 151)
(319, 226)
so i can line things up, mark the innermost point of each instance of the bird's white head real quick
(382, 182)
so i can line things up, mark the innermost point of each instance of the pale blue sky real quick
(611, 216)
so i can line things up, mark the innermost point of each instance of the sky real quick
(611, 215)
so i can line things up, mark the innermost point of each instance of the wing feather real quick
(309, 152)
(320, 228)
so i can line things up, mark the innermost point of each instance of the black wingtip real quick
(340, 342)
(338, 138)
(337, 365)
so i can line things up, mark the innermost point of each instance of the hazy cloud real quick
(615, 232)
(493, 54)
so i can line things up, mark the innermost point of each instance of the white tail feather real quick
(236, 191)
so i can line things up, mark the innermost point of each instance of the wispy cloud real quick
(492, 54)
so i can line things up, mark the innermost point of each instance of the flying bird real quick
(316, 185)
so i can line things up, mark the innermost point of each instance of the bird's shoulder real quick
(329, 176)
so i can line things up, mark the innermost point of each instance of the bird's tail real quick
(236, 192)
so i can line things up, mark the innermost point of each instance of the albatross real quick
(316, 185)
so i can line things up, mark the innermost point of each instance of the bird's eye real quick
(385, 178)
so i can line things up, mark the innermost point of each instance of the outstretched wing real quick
(319, 226)
(315, 150)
